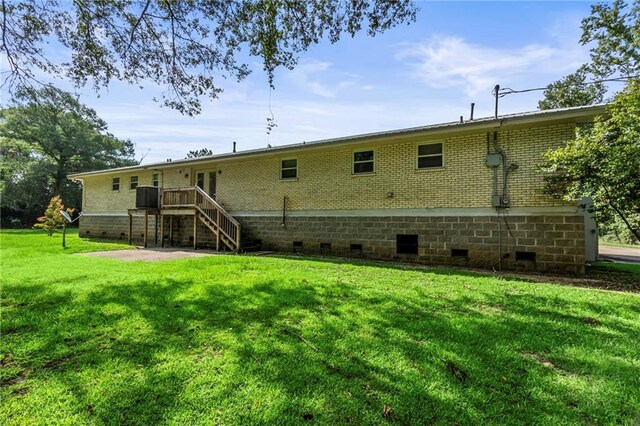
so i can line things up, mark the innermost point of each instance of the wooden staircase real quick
(194, 201)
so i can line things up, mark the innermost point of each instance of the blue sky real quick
(424, 73)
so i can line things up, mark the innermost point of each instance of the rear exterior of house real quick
(458, 193)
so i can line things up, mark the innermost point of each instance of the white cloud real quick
(449, 61)
(307, 76)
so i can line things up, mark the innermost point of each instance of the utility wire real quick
(508, 91)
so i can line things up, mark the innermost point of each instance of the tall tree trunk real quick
(60, 176)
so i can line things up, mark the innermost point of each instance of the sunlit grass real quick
(267, 340)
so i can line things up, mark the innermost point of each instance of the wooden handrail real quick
(216, 214)
(178, 197)
(218, 217)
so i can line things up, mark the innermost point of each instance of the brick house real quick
(464, 193)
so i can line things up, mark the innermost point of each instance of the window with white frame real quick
(363, 162)
(115, 184)
(430, 156)
(155, 180)
(133, 183)
(289, 169)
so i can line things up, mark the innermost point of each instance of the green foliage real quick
(604, 162)
(572, 91)
(187, 46)
(45, 135)
(613, 31)
(616, 231)
(204, 152)
(267, 340)
(52, 218)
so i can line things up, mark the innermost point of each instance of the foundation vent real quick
(529, 256)
(325, 246)
(407, 243)
(356, 247)
(463, 253)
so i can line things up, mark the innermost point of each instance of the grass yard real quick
(269, 340)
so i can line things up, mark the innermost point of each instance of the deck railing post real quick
(130, 227)
(218, 228)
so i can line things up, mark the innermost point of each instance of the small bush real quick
(52, 218)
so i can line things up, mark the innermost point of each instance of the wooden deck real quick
(192, 201)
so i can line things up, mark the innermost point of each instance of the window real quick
(115, 184)
(363, 162)
(430, 156)
(200, 180)
(155, 180)
(133, 184)
(289, 169)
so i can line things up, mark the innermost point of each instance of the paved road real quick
(619, 254)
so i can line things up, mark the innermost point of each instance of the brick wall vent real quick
(356, 247)
(325, 246)
(529, 256)
(460, 253)
(406, 243)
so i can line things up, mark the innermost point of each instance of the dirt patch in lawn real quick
(151, 254)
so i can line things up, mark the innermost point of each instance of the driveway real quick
(619, 254)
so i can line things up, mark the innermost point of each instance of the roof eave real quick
(444, 128)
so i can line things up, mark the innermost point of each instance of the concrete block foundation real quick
(545, 243)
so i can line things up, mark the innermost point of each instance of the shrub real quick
(52, 218)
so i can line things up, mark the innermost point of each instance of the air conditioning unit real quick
(147, 197)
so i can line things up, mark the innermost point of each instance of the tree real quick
(604, 162)
(614, 30)
(52, 218)
(45, 135)
(204, 152)
(187, 46)
(572, 90)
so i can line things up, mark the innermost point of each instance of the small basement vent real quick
(460, 253)
(325, 246)
(407, 244)
(297, 246)
(355, 247)
(529, 256)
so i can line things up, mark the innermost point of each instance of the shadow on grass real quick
(408, 266)
(174, 350)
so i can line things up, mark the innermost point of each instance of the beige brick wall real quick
(99, 197)
(325, 180)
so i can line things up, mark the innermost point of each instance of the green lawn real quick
(268, 340)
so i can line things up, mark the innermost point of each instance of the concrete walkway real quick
(619, 254)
